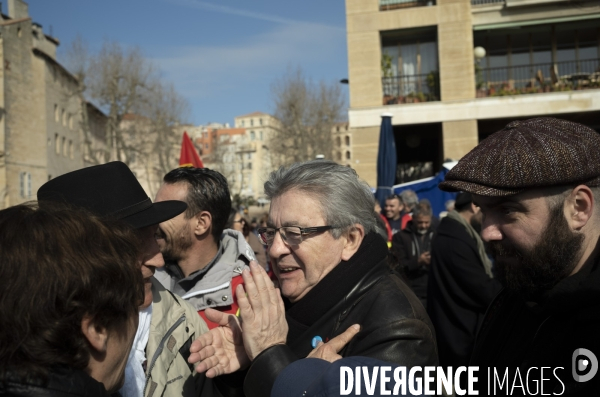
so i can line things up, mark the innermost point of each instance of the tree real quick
(141, 110)
(306, 113)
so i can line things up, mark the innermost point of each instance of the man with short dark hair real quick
(537, 184)
(411, 249)
(204, 261)
(393, 209)
(461, 284)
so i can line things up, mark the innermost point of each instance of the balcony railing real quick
(543, 77)
(385, 5)
(486, 2)
(411, 88)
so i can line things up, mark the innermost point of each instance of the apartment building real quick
(451, 72)
(253, 151)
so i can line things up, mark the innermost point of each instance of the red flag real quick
(189, 156)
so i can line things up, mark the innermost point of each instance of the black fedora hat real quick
(109, 190)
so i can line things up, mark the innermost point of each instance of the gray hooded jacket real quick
(211, 286)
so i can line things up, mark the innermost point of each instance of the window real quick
(347, 155)
(242, 123)
(261, 135)
(70, 121)
(64, 146)
(260, 121)
(56, 114)
(251, 122)
(410, 63)
(347, 141)
(25, 184)
(64, 118)
(71, 149)
(206, 146)
(252, 136)
(56, 144)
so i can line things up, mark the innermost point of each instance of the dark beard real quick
(531, 272)
(176, 246)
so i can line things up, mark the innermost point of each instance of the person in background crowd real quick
(112, 191)
(69, 298)
(537, 183)
(410, 200)
(461, 284)
(383, 225)
(449, 205)
(253, 225)
(426, 204)
(332, 269)
(394, 208)
(204, 261)
(411, 251)
(237, 222)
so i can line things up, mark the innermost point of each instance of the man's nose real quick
(490, 231)
(278, 247)
(153, 257)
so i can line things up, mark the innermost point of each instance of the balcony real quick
(386, 5)
(411, 88)
(538, 78)
(487, 2)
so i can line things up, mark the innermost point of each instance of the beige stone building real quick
(342, 143)
(253, 151)
(451, 72)
(40, 124)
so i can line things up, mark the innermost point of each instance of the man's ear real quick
(96, 335)
(579, 207)
(353, 240)
(203, 223)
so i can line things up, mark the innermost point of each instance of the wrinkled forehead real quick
(283, 207)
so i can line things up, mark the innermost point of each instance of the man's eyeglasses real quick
(291, 235)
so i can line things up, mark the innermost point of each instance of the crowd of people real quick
(106, 292)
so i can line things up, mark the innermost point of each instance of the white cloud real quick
(245, 13)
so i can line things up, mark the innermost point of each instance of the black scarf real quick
(335, 285)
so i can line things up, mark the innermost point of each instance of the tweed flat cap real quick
(526, 154)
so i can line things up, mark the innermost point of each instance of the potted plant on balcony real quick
(433, 84)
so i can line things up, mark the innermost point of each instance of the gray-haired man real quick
(331, 267)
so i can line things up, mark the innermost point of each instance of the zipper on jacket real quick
(160, 348)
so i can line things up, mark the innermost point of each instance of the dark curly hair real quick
(58, 265)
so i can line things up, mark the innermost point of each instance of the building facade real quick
(40, 125)
(451, 72)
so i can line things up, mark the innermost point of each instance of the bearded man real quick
(536, 182)
(203, 260)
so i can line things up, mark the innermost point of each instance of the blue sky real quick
(222, 55)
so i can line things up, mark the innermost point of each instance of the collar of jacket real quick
(574, 292)
(233, 254)
(347, 279)
(62, 381)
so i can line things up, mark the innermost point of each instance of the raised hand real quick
(262, 312)
(329, 351)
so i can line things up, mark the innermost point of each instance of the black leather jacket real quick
(394, 324)
(62, 382)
